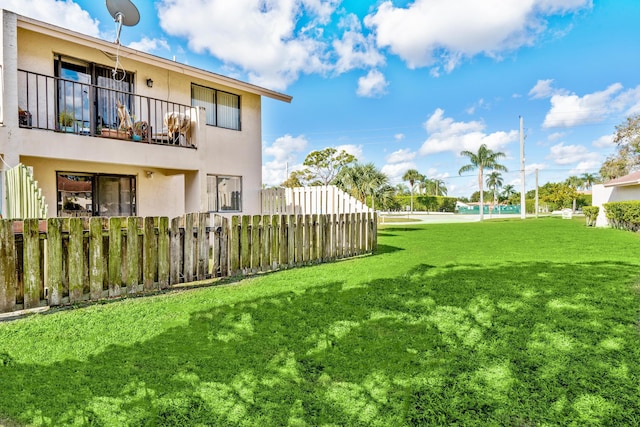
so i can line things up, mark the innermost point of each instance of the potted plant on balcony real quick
(66, 119)
(140, 131)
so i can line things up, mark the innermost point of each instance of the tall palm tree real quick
(494, 181)
(412, 175)
(485, 158)
(362, 181)
(588, 179)
(508, 191)
(440, 187)
(575, 183)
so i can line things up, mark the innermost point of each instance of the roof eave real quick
(59, 32)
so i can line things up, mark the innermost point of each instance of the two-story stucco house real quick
(108, 130)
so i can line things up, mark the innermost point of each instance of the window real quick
(223, 108)
(225, 193)
(76, 93)
(85, 194)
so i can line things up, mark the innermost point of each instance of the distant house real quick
(108, 130)
(617, 190)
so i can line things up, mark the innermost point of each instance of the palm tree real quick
(508, 191)
(485, 158)
(412, 175)
(440, 187)
(362, 181)
(494, 181)
(575, 183)
(588, 179)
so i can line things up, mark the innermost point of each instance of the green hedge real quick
(428, 203)
(624, 215)
(590, 214)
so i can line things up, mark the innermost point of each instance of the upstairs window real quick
(223, 108)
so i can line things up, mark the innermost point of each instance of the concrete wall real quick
(180, 174)
(602, 195)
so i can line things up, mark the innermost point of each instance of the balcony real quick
(61, 105)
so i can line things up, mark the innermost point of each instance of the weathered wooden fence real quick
(322, 199)
(70, 260)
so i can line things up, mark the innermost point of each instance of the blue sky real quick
(406, 84)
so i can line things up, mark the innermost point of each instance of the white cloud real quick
(150, 45)
(605, 141)
(262, 38)
(542, 89)
(396, 170)
(566, 154)
(372, 85)
(400, 156)
(571, 110)
(586, 166)
(447, 135)
(556, 136)
(354, 49)
(399, 136)
(531, 169)
(354, 150)
(284, 151)
(66, 14)
(442, 33)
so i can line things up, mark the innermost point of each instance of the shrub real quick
(428, 203)
(624, 215)
(590, 214)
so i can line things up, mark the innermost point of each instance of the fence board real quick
(96, 263)
(132, 260)
(31, 262)
(203, 246)
(234, 245)
(76, 260)
(255, 243)
(115, 256)
(163, 252)
(8, 276)
(149, 254)
(54, 261)
(189, 261)
(175, 267)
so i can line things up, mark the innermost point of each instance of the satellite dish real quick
(124, 12)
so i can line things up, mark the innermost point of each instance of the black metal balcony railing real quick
(61, 105)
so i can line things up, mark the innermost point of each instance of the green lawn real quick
(506, 323)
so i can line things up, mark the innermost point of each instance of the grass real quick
(505, 323)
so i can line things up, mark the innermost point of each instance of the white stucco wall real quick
(602, 195)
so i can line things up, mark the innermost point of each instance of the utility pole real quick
(523, 205)
(537, 193)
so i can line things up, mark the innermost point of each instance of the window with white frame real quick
(224, 193)
(222, 108)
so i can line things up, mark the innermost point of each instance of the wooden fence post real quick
(176, 253)
(133, 261)
(115, 256)
(54, 260)
(234, 246)
(255, 243)
(96, 263)
(149, 254)
(189, 261)
(8, 276)
(245, 245)
(266, 241)
(163, 252)
(31, 262)
(203, 246)
(76, 260)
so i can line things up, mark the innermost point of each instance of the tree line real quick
(371, 186)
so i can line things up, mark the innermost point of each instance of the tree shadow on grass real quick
(521, 344)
